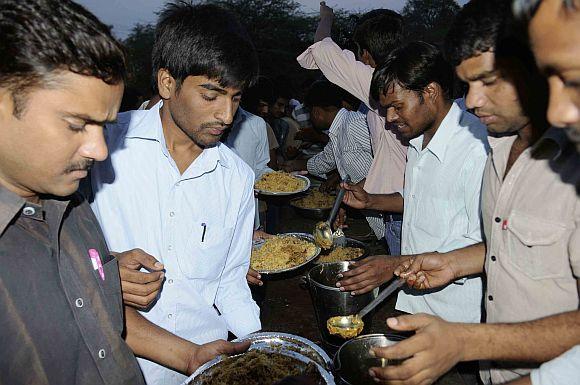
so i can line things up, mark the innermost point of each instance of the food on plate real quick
(342, 254)
(281, 252)
(280, 182)
(258, 368)
(315, 200)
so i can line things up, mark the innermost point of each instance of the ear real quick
(367, 58)
(432, 92)
(6, 104)
(165, 83)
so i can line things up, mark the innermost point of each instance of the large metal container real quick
(329, 301)
(352, 361)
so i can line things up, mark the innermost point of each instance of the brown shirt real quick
(531, 221)
(61, 322)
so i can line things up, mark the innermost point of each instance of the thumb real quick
(236, 347)
(409, 322)
(147, 261)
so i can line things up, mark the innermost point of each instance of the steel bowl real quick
(317, 213)
(352, 361)
(303, 236)
(305, 187)
(349, 243)
(197, 378)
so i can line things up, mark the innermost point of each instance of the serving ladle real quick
(323, 236)
(350, 326)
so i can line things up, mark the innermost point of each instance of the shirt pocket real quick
(537, 247)
(206, 254)
(432, 216)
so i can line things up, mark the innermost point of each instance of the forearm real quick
(156, 344)
(534, 341)
(386, 202)
(468, 260)
(324, 29)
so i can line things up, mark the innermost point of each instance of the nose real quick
(562, 111)
(226, 113)
(391, 115)
(94, 145)
(475, 97)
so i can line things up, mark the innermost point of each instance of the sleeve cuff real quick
(243, 320)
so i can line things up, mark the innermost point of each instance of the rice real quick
(342, 254)
(281, 252)
(279, 181)
(315, 200)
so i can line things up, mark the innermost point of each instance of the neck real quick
(529, 134)
(175, 139)
(442, 111)
(21, 191)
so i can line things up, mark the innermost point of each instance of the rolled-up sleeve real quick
(472, 177)
(234, 299)
(323, 162)
(339, 67)
(563, 370)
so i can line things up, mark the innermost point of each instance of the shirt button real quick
(79, 302)
(170, 281)
(177, 184)
(490, 297)
(493, 258)
(102, 353)
(497, 219)
(172, 214)
(29, 211)
(169, 247)
(170, 316)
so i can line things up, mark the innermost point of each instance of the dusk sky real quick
(123, 14)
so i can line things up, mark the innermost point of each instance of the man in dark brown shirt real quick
(63, 320)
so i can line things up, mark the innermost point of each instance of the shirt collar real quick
(10, 205)
(241, 115)
(438, 144)
(207, 161)
(337, 122)
(146, 124)
(551, 144)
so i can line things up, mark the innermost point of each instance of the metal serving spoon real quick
(323, 236)
(350, 326)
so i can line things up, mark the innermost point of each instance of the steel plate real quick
(303, 236)
(273, 193)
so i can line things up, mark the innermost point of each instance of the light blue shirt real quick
(563, 370)
(442, 211)
(198, 224)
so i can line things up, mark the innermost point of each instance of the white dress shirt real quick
(563, 370)
(198, 224)
(442, 210)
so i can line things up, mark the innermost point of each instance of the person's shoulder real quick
(249, 119)
(472, 130)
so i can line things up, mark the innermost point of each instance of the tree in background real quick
(429, 20)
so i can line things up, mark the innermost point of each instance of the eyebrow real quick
(483, 75)
(88, 119)
(213, 87)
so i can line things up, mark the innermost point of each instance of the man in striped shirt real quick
(349, 149)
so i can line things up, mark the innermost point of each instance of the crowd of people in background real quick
(125, 238)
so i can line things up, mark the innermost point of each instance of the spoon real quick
(352, 325)
(323, 236)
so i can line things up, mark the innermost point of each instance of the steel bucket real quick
(329, 301)
(352, 361)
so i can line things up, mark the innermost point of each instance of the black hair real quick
(204, 40)
(43, 37)
(478, 27)
(413, 67)
(525, 9)
(323, 93)
(379, 32)
(261, 90)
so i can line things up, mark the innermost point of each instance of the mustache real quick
(81, 166)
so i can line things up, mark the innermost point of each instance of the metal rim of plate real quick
(325, 374)
(303, 236)
(273, 193)
(261, 339)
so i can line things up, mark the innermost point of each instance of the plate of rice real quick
(284, 252)
(281, 183)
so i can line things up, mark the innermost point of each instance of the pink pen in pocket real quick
(96, 261)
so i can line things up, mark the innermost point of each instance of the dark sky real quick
(123, 14)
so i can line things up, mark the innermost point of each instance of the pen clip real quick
(203, 232)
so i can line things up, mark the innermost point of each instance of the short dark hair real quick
(525, 9)
(323, 93)
(379, 31)
(43, 37)
(413, 67)
(204, 40)
(261, 90)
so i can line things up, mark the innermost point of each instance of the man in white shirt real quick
(441, 198)
(171, 189)
(376, 36)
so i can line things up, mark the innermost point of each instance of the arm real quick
(324, 28)
(358, 198)
(154, 343)
(262, 150)
(438, 345)
(323, 162)
(233, 298)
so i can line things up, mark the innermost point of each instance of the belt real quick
(393, 217)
